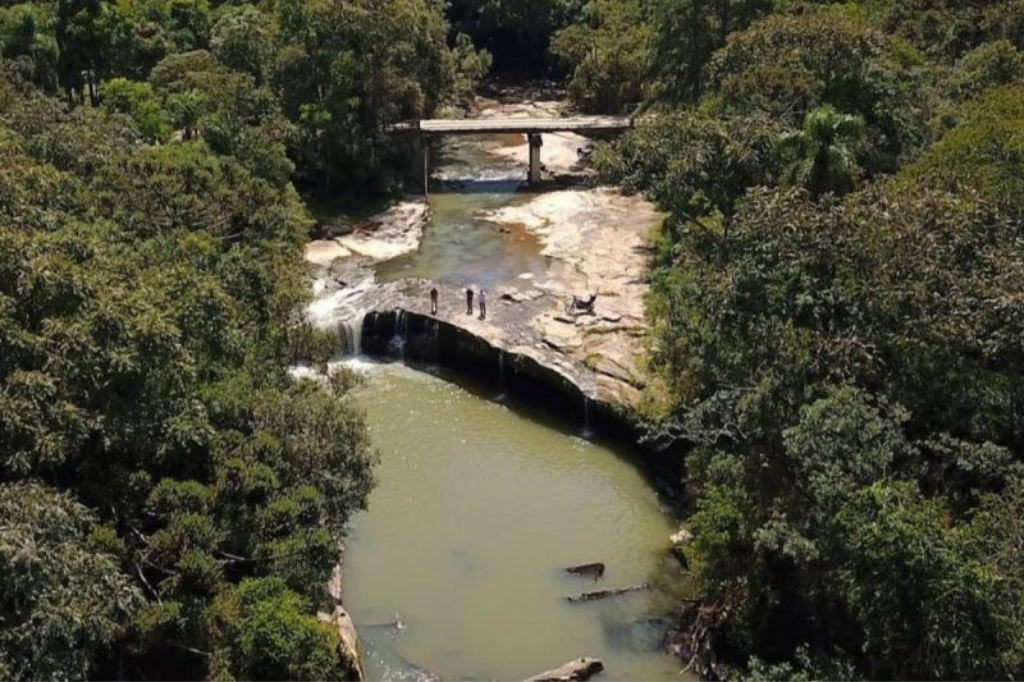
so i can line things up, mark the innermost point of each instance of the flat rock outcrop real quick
(594, 240)
(393, 233)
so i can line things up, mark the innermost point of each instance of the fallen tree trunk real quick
(580, 669)
(595, 570)
(601, 594)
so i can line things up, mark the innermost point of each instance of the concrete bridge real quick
(531, 127)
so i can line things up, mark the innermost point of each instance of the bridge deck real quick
(446, 126)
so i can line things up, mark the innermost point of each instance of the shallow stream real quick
(459, 247)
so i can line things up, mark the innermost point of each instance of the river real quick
(457, 568)
(478, 510)
(461, 247)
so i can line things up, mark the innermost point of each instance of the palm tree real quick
(186, 109)
(823, 152)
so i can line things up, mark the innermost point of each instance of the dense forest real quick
(838, 303)
(171, 502)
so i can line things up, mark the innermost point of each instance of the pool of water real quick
(458, 246)
(457, 568)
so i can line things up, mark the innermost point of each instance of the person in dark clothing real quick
(433, 301)
(469, 300)
(483, 305)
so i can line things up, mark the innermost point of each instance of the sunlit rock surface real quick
(589, 241)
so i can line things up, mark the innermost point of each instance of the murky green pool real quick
(456, 570)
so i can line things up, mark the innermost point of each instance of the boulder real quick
(348, 642)
(682, 538)
(679, 542)
(579, 669)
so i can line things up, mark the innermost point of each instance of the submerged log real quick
(601, 594)
(595, 570)
(580, 669)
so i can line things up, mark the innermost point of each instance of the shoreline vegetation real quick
(836, 310)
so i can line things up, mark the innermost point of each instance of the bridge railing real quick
(526, 126)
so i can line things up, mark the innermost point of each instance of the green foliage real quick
(824, 150)
(386, 62)
(607, 51)
(25, 41)
(930, 608)
(984, 153)
(138, 102)
(516, 32)
(63, 597)
(137, 34)
(147, 298)
(693, 164)
(263, 631)
(244, 40)
(990, 65)
(817, 376)
(787, 66)
(945, 29)
(840, 363)
(301, 88)
(686, 35)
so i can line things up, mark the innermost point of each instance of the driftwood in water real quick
(601, 594)
(580, 669)
(595, 570)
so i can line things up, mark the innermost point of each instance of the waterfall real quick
(401, 333)
(352, 333)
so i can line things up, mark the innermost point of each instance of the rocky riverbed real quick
(588, 240)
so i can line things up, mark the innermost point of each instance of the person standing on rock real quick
(483, 305)
(469, 300)
(433, 301)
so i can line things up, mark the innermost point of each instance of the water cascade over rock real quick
(351, 332)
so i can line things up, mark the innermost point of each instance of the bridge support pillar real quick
(418, 173)
(425, 144)
(535, 144)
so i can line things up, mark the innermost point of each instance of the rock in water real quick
(580, 669)
(595, 570)
(348, 644)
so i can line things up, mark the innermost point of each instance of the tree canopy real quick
(836, 354)
(154, 453)
(837, 349)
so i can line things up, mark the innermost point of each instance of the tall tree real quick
(63, 596)
(686, 34)
(824, 152)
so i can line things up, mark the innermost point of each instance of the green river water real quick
(457, 568)
(478, 509)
